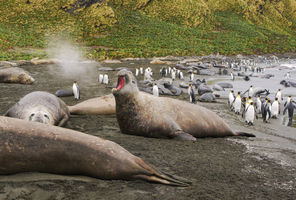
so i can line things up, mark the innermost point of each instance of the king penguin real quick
(250, 114)
(258, 104)
(76, 90)
(230, 99)
(106, 79)
(275, 109)
(290, 106)
(191, 94)
(101, 76)
(155, 90)
(237, 103)
(266, 111)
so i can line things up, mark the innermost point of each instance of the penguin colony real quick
(249, 104)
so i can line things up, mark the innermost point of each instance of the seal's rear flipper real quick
(180, 135)
(244, 134)
(150, 174)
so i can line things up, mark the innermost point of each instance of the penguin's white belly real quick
(249, 116)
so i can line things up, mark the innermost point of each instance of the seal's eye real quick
(45, 115)
(32, 115)
(133, 82)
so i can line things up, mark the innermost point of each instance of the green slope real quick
(123, 28)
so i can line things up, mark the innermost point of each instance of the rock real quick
(112, 61)
(105, 69)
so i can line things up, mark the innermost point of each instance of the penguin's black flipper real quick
(244, 134)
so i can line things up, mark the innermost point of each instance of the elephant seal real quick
(104, 105)
(35, 147)
(41, 107)
(64, 93)
(15, 75)
(143, 114)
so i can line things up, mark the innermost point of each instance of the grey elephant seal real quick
(15, 75)
(40, 107)
(35, 147)
(104, 105)
(161, 117)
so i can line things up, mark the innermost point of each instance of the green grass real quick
(138, 35)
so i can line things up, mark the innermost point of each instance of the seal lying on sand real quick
(40, 107)
(35, 147)
(15, 75)
(104, 105)
(143, 114)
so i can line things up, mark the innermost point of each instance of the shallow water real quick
(219, 168)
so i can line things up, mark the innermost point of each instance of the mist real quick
(69, 58)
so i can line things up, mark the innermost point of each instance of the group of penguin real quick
(249, 109)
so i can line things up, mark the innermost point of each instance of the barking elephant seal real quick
(40, 107)
(162, 117)
(36, 147)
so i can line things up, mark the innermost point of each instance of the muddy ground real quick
(219, 168)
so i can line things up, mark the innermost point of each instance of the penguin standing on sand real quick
(279, 95)
(181, 75)
(141, 70)
(250, 114)
(163, 72)
(237, 103)
(232, 76)
(266, 111)
(258, 104)
(155, 90)
(101, 78)
(230, 99)
(105, 79)
(191, 94)
(275, 109)
(137, 71)
(291, 106)
(173, 74)
(191, 76)
(76, 90)
(250, 92)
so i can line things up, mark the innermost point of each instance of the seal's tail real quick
(152, 175)
(244, 134)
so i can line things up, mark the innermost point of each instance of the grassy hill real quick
(146, 28)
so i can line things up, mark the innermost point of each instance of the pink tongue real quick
(120, 84)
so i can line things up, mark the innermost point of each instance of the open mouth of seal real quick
(120, 83)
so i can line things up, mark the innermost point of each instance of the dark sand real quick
(219, 168)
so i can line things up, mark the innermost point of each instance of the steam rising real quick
(69, 58)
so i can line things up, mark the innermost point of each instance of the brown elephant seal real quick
(143, 114)
(15, 75)
(36, 147)
(40, 107)
(104, 105)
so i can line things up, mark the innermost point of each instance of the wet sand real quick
(219, 168)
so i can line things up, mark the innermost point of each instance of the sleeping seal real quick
(40, 107)
(35, 147)
(15, 75)
(104, 105)
(143, 114)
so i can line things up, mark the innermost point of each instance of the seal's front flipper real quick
(180, 135)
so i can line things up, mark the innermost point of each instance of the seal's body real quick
(41, 107)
